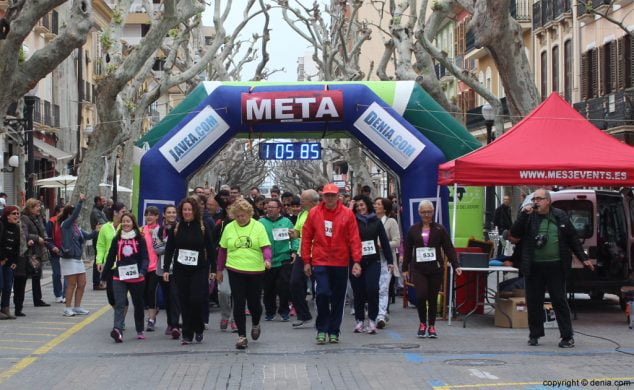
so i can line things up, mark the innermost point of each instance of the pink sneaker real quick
(224, 324)
(176, 333)
(234, 327)
(293, 313)
(140, 336)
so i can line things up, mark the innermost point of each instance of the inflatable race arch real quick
(397, 121)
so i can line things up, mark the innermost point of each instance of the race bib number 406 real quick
(187, 257)
(425, 254)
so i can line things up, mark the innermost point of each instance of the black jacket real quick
(191, 236)
(502, 218)
(140, 257)
(527, 227)
(9, 242)
(439, 239)
(371, 229)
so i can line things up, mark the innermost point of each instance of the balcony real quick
(548, 12)
(609, 111)
(471, 51)
(475, 120)
(46, 114)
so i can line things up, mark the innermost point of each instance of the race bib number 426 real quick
(127, 272)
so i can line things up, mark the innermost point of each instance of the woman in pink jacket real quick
(150, 231)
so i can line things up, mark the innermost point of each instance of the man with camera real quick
(548, 238)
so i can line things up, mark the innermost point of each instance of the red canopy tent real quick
(554, 144)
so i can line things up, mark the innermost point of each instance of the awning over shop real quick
(51, 151)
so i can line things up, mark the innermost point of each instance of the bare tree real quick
(604, 12)
(19, 75)
(336, 42)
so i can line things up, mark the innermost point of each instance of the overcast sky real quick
(285, 45)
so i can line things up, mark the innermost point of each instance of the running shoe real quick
(60, 300)
(234, 327)
(269, 317)
(422, 331)
(358, 328)
(321, 338)
(431, 333)
(168, 330)
(285, 317)
(116, 335)
(567, 343)
(68, 312)
(185, 341)
(80, 311)
(301, 324)
(140, 336)
(293, 312)
(333, 339)
(380, 323)
(224, 324)
(255, 332)
(199, 337)
(176, 333)
(371, 328)
(150, 326)
(242, 343)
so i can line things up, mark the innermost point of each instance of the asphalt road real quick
(47, 351)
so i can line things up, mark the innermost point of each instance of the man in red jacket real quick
(330, 239)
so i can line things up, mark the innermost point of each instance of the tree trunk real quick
(495, 29)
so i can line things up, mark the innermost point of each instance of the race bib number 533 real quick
(425, 254)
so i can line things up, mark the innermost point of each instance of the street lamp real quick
(489, 116)
(14, 162)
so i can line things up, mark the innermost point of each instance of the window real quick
(555, 69)
(544, 75)
(580, 213)
(607, 68)
(568, 71)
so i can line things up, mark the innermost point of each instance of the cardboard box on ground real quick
(516, 310)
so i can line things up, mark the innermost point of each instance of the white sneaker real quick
(60, 300)
(68, 312)
(358, 328)
(371, 328)
(80, 311)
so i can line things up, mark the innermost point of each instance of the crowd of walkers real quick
(255, 257)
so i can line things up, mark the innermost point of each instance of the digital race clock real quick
(290, 151)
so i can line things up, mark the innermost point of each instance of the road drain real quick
(475, 362)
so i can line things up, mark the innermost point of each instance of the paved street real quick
(45, 350)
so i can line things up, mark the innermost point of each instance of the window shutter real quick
(594, 73)
(601, 72)
(584, 76)
(629, 75)
(620, 63)
(613, 69)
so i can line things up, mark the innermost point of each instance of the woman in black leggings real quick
(425, 247)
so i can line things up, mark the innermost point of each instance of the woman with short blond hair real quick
(245, 250)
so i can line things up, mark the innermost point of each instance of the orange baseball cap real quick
(330, 189)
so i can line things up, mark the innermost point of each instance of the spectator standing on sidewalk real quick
(71, 262)
(54, 231)
(11, 245)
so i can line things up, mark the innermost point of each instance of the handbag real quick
(33, 266)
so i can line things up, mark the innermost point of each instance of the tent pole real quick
(437, 203)
(453, 240)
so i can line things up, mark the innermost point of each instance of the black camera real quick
(541, 240)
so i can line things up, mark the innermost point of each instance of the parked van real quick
(604, 221)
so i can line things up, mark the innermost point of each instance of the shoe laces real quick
(422, 327)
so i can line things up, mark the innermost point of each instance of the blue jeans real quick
(57, 278)
(7, 285)
(331, 295)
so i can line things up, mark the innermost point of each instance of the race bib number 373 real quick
(187, 257)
